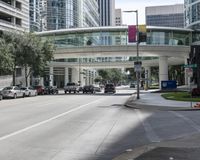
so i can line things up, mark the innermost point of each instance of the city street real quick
(84, 127)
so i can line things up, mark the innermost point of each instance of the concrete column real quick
(147, 75)
(82, 83)
(186, 74)
(163, 69)
(87, 79)
(75, 75)
(51, 76)
(66, 75)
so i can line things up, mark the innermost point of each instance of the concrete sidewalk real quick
(150, 101)
(187, 148)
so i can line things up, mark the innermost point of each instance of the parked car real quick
(89, 89)
(110, 88)
(29, 91)
(71, 87)
(97, 88)
(132, 85)
(39, 89)
(12, 92)
(51, 90)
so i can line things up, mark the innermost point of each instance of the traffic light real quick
(142, 37)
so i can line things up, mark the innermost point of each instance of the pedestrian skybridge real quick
(108, 47)
(113, 42)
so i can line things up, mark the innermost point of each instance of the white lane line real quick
(189, 121)
(151, 135)
(46, 121)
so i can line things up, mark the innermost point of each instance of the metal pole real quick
(137, 73)
(137, 58)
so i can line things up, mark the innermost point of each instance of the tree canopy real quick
(25, 50)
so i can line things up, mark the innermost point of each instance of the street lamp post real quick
(137, 50)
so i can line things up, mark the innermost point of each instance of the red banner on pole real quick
(132, 32)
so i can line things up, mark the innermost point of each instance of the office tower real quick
(118, 17)
(192, 14)
(166, 16)
(14, 15)
(35, 15)
(43, 14)
(107, 12)
(63, 14)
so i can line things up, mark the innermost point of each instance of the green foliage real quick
(6, 58)
(111, 75)
(180, 96)
(26, 50)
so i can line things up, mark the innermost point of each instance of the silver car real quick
(29, 91)
(12, 92)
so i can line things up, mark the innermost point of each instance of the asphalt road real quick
(84, 127)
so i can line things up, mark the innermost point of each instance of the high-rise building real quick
(43, 15)
(35, 15)
(118, 17)
(63, 14)
(107, 12)
(166, 16)
(192, 14)
(14, 15)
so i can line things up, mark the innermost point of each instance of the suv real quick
(71, 87)
(110, 88)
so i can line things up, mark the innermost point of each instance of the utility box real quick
(168, 85)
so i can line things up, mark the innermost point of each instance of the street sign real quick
(189, 72)
(138, 66)
(190, 66)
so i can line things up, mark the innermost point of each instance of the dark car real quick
(40, 89)
(109, 88)
(132, 85)
(88, 89)
(51, 90)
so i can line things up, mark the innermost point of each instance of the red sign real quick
(132, 32)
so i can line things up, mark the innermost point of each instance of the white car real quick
(12, 92)
(29, 91)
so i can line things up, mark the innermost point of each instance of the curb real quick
(131, 103)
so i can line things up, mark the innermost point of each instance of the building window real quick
(18, 5)
(18, 21)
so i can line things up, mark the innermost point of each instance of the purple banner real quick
(132, 31)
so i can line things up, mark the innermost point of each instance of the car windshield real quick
(109, 85)
(71, 84)
(7, 88)
(23, 88)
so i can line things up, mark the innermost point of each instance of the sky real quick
(129, 18)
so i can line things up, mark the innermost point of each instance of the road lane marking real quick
(151, 135)
(46, 121)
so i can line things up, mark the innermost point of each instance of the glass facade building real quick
(35, 16)
(192, 14)
(165, 16)
(63, 14)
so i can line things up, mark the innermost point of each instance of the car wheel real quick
(65, 92)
